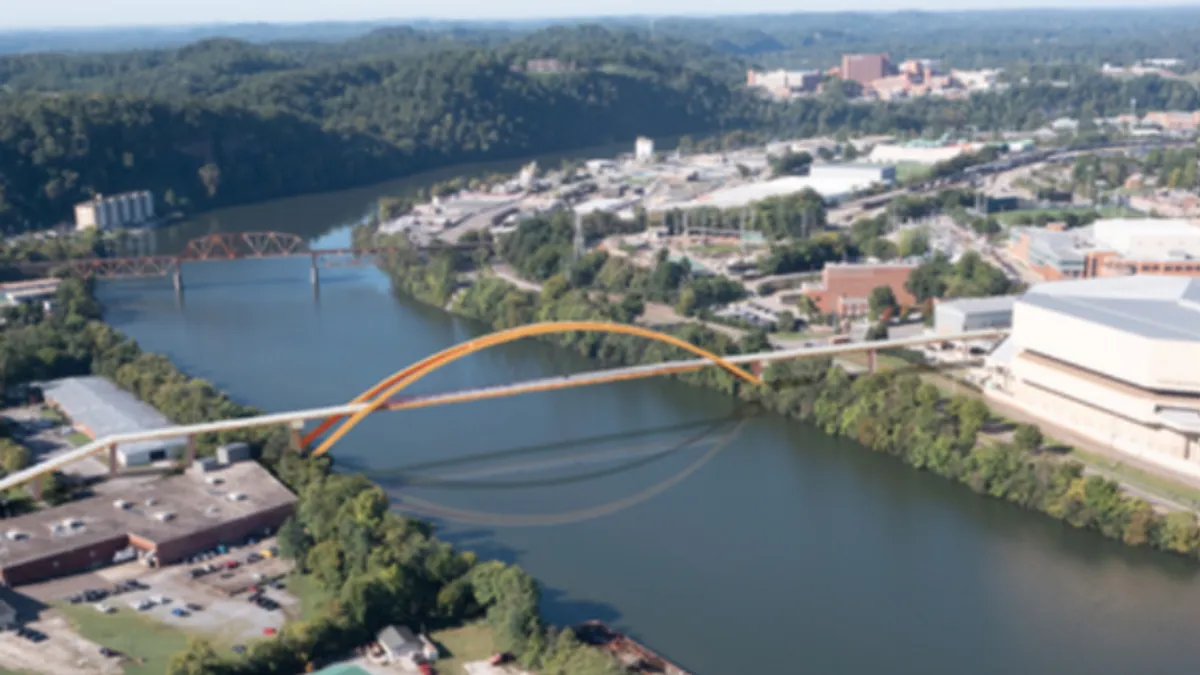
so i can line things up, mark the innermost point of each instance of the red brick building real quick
(865, 68)
(846, 287)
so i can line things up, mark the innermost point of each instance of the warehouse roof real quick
(194, 503)
(105, 410)
(1000, 303)
(1165, 308)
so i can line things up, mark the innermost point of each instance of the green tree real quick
(1028, 437)
(882, 300)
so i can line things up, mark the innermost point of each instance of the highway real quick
(296, 418)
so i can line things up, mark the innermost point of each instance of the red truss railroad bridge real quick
(224, 246)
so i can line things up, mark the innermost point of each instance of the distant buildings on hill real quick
(131, 209)
(878, 77)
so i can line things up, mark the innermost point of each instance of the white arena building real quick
(1113, 359)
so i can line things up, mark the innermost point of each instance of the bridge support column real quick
(37, 488)
(871, 361)
(177, 278)
(112, 459)
(297, 442)
(191, 451)
(314, 273)
(756, 368)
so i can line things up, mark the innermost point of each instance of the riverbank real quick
(375, 566)
(896, 414)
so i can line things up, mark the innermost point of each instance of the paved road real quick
(479, 221)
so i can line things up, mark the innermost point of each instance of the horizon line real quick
(582, 18)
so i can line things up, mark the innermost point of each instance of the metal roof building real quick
(1114, 359)
(966, 314)
(100, 408)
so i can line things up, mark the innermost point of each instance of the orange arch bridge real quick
(378, 395)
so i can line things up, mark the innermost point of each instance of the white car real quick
(104, 609)
(160, 599)
(141, 605)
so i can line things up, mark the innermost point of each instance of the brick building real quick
(865, 68)
(846, 287)
(1109, 248)
(163, 521)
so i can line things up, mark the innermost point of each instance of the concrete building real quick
(132, 209)
(967, 314)
(1111, 247)
(99, 408)
(35, 291)
(1113, 360)
(164, 521)
(845, 288)
(401, 646)
(865, 68)
(909, 154)
(643, 149)
(784, 83)
(854, 173)
(833, 187)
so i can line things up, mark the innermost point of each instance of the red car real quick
(426, 669)
(269, 631)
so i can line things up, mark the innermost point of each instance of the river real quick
(731, 541)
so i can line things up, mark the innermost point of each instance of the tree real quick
(913, 242)
(1028, 437)
(787, 321)
(210, 176)
(882, 299)
(791, 164)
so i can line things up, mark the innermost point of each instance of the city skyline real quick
(142, 13)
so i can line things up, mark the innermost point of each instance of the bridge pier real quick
(177, 278)
(112, 459)
(297, 440)
(871, 361)
(314, 274)
(757, 368)
(191, 451)
(37, 488)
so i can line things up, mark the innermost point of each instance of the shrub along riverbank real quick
(897, 414)
(375, 567)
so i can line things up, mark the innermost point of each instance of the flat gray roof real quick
(195, 505)
(1158, 307)
(105, 409)
(999, 303)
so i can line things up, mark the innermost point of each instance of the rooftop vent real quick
(16, 535)
(236, 496)
(121, 504)
(164, 516)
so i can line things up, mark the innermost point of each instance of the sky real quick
(22, 14)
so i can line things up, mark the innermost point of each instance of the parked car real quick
(179, 612)
(269, 631)
(104, 609)
(106, 652)
(160, 599)
(193, 607)
(239, 649)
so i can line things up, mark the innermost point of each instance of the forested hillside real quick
(221, 122)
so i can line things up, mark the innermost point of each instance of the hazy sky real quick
(16, 14)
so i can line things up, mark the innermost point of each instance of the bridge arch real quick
(378, 395)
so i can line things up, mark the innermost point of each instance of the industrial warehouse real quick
(158, 522)
(1112, 359)
(99, 408)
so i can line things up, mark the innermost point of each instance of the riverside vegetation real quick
(373, 566)
(894, 413)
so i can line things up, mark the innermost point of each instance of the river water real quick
(733, 542)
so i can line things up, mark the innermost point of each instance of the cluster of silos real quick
(125, 210)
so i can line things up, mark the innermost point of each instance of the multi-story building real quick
(1110, 248)
(784, 83)
(846, 287)
(1112, 360)
(131, 209)
(643, 149)
(865, 68)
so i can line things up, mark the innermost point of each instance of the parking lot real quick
(60, 651)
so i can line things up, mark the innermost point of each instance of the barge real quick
(636, 657)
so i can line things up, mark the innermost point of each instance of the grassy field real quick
(1010, 217)
(52, 415)
(1144, 480)
(463, 645)
(906, 171)
(78, 438)
(306, 589)
(137, 636)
